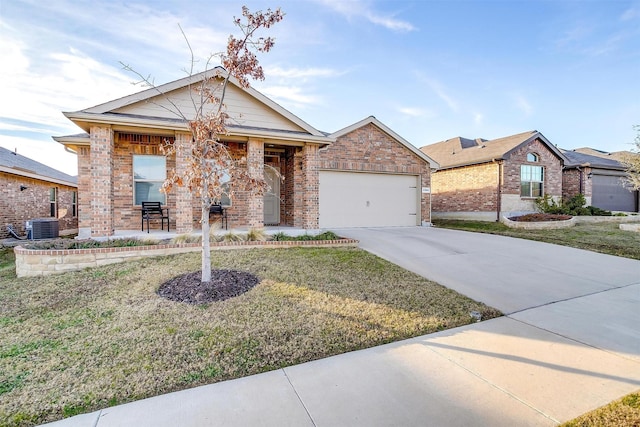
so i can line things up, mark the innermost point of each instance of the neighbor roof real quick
(576, 158)
(460, 151)
(17, 164)
(372, 120)
(617, 155)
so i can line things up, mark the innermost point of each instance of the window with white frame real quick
(149, 173)
(53, 202)
(531, 181)
(74, 204)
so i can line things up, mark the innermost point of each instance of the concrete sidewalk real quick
(570, 344)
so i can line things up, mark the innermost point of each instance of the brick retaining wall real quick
(38, 262)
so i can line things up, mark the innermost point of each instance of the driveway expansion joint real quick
(299, 398)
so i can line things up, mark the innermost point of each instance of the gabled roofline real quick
(39, 177)
(540, 136)
(192, 80)
(372, 120)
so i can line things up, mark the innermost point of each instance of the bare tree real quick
(212, 171)
(632, 162)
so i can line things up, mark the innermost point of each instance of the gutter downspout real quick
(499, 189)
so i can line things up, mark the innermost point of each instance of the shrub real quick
(256, 235)
(574, 206)
(327, 235)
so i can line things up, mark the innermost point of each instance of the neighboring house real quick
(600, 178)
(31, 190)
(371, 176)
(485, 180)
(120, 163)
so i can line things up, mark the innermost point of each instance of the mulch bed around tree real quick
(224, 284)
(540, 217)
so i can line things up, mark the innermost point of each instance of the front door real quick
(272, 196)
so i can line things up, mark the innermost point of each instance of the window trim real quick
(161, 181)
(74, 204)
(530, 182)
(53, 202)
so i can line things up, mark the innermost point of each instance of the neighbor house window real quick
(74, 204)
(532, 157)
(149, 172)
(53, 202)
(531, 181)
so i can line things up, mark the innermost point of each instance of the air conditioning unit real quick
(44, 228)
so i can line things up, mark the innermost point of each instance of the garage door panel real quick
(350, 199)
(610, 193)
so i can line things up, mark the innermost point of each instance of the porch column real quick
(255, 166)
(84, 193)
(311, 187)
(306, 188)
(184, 200)
(101, 185)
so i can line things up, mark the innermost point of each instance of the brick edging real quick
(41, 262)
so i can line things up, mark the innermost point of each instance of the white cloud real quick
(630, 14)
(361, 9)
(440, 91)
(290, 94)
(478, 118)
(415, 112)
(523, 104)
(301, 73)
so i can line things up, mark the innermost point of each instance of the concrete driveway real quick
(570, 342)
(509, 274)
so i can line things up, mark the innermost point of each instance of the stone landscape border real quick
(539, 225)
(42, 262)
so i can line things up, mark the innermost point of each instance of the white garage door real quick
(351, 199)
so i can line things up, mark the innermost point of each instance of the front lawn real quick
(602, 237)
(81, 341)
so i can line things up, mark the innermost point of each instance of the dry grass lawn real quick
(81, 341)
(605, 238)
(624, 412)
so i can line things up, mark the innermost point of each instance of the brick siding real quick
(466, 189)
(17, 206)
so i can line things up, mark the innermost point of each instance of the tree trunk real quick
(206, 247)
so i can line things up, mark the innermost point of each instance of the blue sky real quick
(430, 70)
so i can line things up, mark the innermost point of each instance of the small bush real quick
(575, 206)
(327, 235)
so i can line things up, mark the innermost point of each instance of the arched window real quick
(532, 157)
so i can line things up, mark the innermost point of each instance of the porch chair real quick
(219, 210)
(154, 210)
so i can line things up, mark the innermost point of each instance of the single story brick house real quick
(120, 163)
(484, 180)
(600, 178)
(30, 190)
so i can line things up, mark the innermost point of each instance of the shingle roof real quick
(10, 160)
(617, 155)
(577, 158)
(462, 151)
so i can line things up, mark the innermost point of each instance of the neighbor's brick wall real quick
(571, 183)
(17, 206)
(369, 149)
(552, 169)
(466, 189)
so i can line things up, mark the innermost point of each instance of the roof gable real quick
(372, 120)
(248, 108)
(460, 151)
(14, 163)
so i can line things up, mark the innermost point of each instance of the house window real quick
(74, 204)
(225, 200)
(532, 157)
(53, 202)
(531, 181)
(149, 173)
